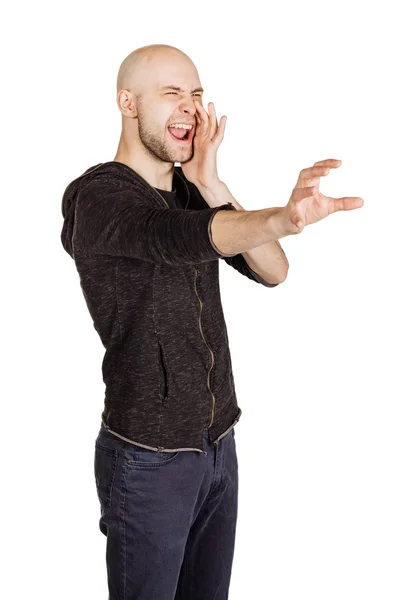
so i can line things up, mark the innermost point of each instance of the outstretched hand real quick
(308, 205)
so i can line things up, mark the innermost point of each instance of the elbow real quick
(285, 275)
(283, 278)
(277, 280)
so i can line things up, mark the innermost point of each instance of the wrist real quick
(214, 193)
(277, 222)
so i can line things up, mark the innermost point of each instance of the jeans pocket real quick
(144, 458)
(105, 466)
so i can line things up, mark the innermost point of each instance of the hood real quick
(68, 203)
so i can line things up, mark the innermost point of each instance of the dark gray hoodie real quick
(149, 275)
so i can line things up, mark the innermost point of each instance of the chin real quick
(185, 155)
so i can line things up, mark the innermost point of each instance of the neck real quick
(157, 173)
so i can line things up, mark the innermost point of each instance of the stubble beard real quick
(157, 146)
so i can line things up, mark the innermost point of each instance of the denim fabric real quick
(169, 518)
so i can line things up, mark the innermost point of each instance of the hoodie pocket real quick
(164, 374)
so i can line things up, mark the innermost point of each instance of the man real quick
(146, 237)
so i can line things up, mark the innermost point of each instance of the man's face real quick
(161, 106)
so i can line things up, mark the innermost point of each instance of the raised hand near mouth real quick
(201, 169)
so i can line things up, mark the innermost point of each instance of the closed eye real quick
(177, 92)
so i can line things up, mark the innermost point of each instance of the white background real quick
(315, 359)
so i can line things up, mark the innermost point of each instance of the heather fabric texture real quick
(149, 274)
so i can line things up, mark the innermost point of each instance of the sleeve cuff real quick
(227, 206)
(258, 278)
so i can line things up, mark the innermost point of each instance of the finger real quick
(311, 176)
(347, 203)
(333, 163)
(213, 120)
(299, 193)
(198, 123)
(221, 130)
(312, 172)
(203, 117)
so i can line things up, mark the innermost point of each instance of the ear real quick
(127, 103)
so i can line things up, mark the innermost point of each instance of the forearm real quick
(251, 233)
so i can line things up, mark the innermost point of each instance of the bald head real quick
(157, 86)
(137, 70)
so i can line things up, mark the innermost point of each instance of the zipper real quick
(155, 448)
(195, 287)
(224, 433)
(212, 354)
(201, 304)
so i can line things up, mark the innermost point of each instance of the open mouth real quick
(181, 136)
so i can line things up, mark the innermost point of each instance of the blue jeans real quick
(169, 518)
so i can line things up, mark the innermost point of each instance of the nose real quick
(188, 107)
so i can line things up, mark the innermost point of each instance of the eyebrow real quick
(174, 87)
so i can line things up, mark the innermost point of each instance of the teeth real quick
(181, 126)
